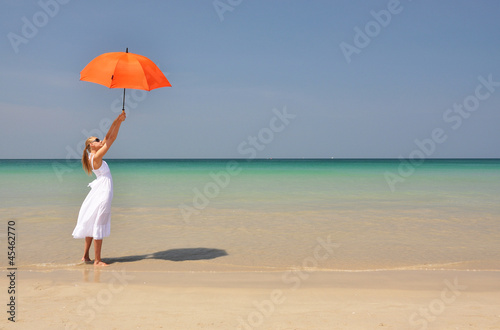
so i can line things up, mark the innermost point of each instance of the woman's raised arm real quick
(109, 139)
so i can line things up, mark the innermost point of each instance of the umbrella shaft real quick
(123, 107)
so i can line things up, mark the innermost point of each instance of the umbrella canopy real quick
(124, 70)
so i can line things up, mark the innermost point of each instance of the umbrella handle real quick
(123, 106)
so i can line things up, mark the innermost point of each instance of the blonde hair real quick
(87, 167)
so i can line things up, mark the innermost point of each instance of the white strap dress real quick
(94, 218)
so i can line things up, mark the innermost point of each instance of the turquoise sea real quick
(272, 214)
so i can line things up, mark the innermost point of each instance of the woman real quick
(95, 214)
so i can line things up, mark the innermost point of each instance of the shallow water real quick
(264, 214)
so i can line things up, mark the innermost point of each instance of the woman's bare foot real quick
(86, 260)
(100, 263)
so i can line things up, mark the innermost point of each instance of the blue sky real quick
(417, 82)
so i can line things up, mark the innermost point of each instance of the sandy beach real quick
(115, 298)
(288, 245)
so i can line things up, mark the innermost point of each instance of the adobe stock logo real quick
(265, 308)
(30, 28)
(222, 6)
(220, 180)
(437, 306)
(454, 117)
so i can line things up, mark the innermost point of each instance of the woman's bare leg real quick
(88, 242)
(97, 250)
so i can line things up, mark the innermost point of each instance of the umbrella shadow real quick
(173, 255)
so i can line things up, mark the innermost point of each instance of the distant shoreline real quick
(265, 159)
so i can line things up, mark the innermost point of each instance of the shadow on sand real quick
(173, 255)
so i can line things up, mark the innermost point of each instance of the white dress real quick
(94, 219)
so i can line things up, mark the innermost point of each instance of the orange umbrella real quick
(124, 70)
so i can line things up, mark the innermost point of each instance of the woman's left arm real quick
(109, 139)
(113, 129)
